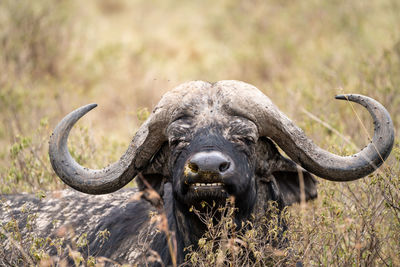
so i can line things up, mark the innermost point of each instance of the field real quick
(123, 55)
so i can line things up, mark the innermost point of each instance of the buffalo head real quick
(213, 140)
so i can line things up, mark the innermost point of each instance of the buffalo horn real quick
(248, 101)
(118, 174)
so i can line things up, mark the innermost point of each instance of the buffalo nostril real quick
(224, 166)
(193, 167)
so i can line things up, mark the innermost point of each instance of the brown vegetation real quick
(58, 55)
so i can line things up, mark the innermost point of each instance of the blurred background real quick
(123, 55)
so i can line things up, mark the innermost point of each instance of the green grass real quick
(58, 55)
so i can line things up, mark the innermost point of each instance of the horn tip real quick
(350, 97)
(91, 106)
(342, 97)
(85, 109)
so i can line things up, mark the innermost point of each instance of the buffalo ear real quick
(289, 185)
(156, 172)
(284, 173)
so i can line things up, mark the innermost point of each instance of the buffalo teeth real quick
(208, 184)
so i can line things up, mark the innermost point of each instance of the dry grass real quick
(123, 55)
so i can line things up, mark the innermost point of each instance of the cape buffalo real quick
(203, 141)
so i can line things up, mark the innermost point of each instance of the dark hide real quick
(127, 220)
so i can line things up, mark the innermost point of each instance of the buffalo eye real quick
(243, 131)
(245, 139)
(174, 141)
(178, 140)
(179, 130)
(249, 140)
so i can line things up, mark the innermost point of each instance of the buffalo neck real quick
(189, 228)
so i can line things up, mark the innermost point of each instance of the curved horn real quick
(340, 168)
(118, 174)
(249, 102)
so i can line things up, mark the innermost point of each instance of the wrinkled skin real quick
(239, 183)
